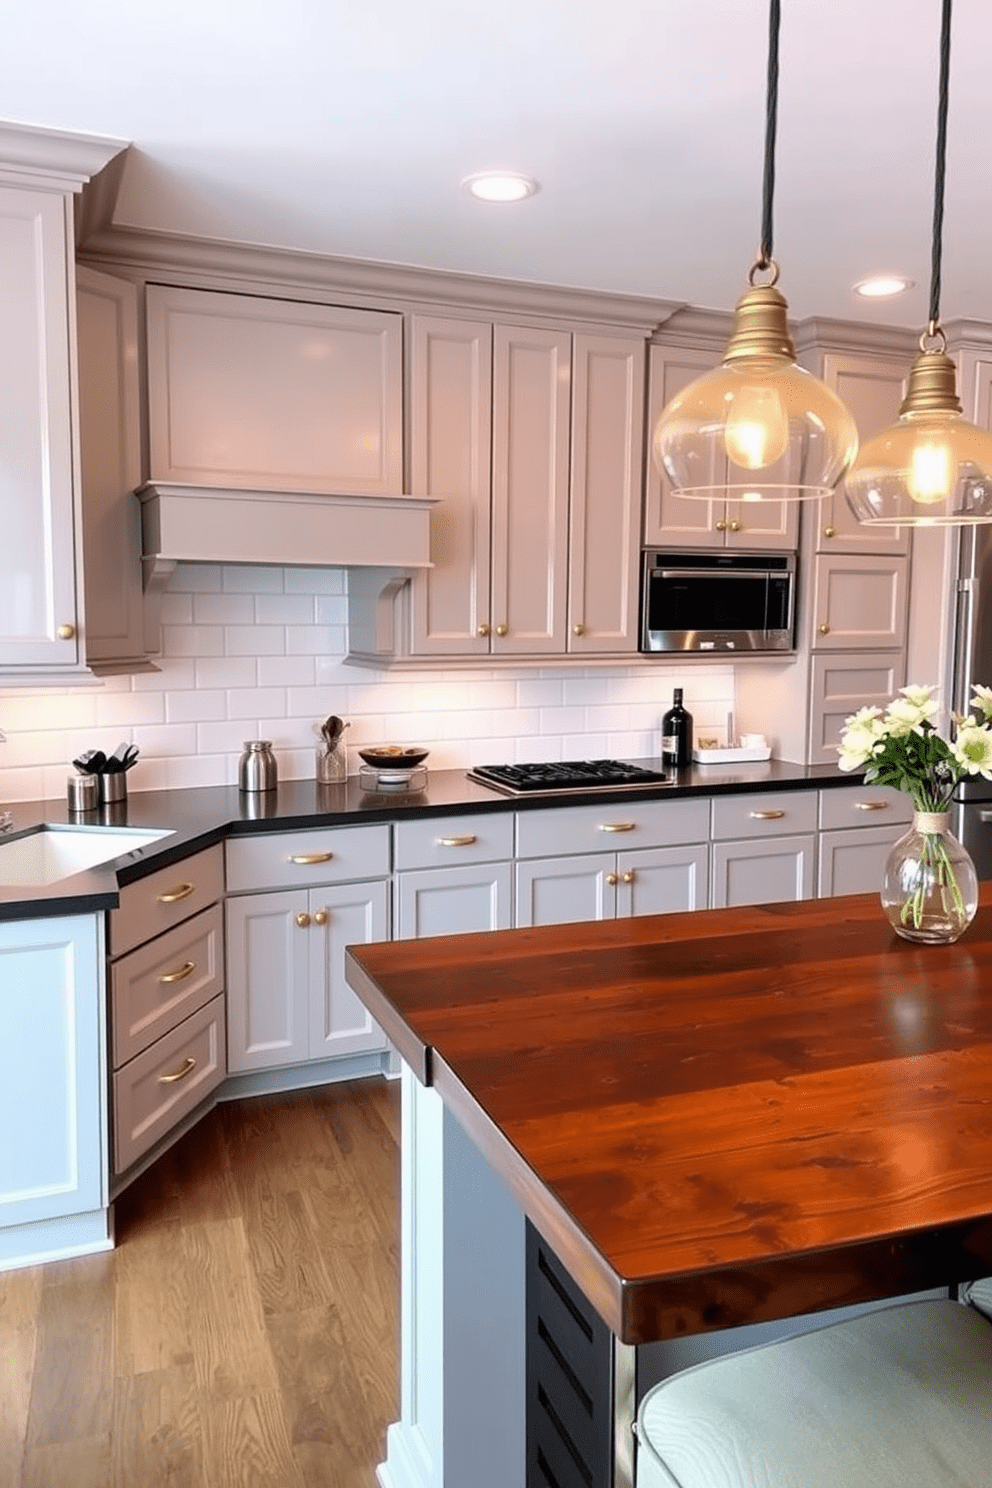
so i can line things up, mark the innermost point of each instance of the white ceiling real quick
(344, 127)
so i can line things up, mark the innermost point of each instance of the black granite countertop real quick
(198, 818)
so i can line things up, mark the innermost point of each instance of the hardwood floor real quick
(244, 1332)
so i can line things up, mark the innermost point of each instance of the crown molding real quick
(52, 159)
(822, 333)
(175, 258)
(689, 325)
(963, 335)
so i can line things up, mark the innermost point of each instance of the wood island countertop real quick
(718, 1117)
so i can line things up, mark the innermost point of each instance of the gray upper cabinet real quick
(247, 392)
(531, 438)
(675, 521)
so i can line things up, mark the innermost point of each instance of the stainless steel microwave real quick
(719, 602)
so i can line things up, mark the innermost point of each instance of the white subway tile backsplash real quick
(223, 672)
(285, 609)
(254, 640)
(223, 609)
(259, 653)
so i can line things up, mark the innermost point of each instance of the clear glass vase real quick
(930, 888)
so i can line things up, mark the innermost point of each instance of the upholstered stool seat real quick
(896, 1398)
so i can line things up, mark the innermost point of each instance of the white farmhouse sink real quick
(51, 853)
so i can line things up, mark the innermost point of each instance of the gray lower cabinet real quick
(764, 848)
(288, 1000)
(166, 975)
(453, 875)
(858, 825)
(661, 866)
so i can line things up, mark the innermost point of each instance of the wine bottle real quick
(676, 735)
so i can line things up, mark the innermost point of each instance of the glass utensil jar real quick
(257, 767)
(332, 763)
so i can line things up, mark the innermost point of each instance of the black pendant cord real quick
(938, 189)
(771, 122)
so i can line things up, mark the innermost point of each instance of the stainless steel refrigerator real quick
(972, 817)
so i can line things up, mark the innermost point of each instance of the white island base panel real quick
(463, 1317)
(56, 1239)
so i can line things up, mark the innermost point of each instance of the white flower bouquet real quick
(901, 746)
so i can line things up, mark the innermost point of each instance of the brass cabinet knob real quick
(612, 878)
(320, 918)
(720, 526)
(830, 531)
(303, 920)
(66, 632)
(824, 628)
(735, 526)
(484, 630)
(578, 629)
(628, 877)
(502, 630)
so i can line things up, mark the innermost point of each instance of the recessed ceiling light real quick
(500, 186)
(882, 286)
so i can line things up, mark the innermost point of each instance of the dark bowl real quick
(394, 756)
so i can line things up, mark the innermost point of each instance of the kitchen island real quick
(665, 1126)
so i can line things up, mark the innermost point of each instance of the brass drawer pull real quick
(465, 841)
(766, 815)
(304, 860)
(179, 975)
(186, 1068)
(617, 827)
(173, 896)
(871, 805)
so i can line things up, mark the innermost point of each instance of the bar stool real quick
(900, 1397)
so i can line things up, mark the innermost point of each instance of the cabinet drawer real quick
(159, 1087)
(864, 806)
(290, 860)
(445, 841)
(165, 898)
(766, 814)
(156, 986)
(610, 825)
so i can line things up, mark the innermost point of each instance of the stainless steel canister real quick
(257, 769)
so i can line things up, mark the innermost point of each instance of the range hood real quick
(207, 524)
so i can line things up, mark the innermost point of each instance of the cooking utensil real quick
(332, 728)
(93, 762)
(394, 756)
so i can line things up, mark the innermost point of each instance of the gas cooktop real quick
(565, 776)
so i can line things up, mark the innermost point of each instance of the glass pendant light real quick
(931, 468)
(758, 427)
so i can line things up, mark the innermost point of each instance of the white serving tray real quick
(730, 756)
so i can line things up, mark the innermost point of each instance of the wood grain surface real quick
(243, 1334)
(724, 1116)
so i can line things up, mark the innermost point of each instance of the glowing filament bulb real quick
(757, 430)
(931, 473)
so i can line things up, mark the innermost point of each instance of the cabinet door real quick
(859, 604)
(52, 1069)
(671, 520)
(872, 389)
(268, 975)
(347, 914)
(110, 468)
(450, 408)
(561, 891)
(453, 901)
(605, 505)
(763, 871)
(762, 524)
(269, 394)
(38, 624)
(839, 686)
(531, 401)
(663, 881)
(852, 861)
